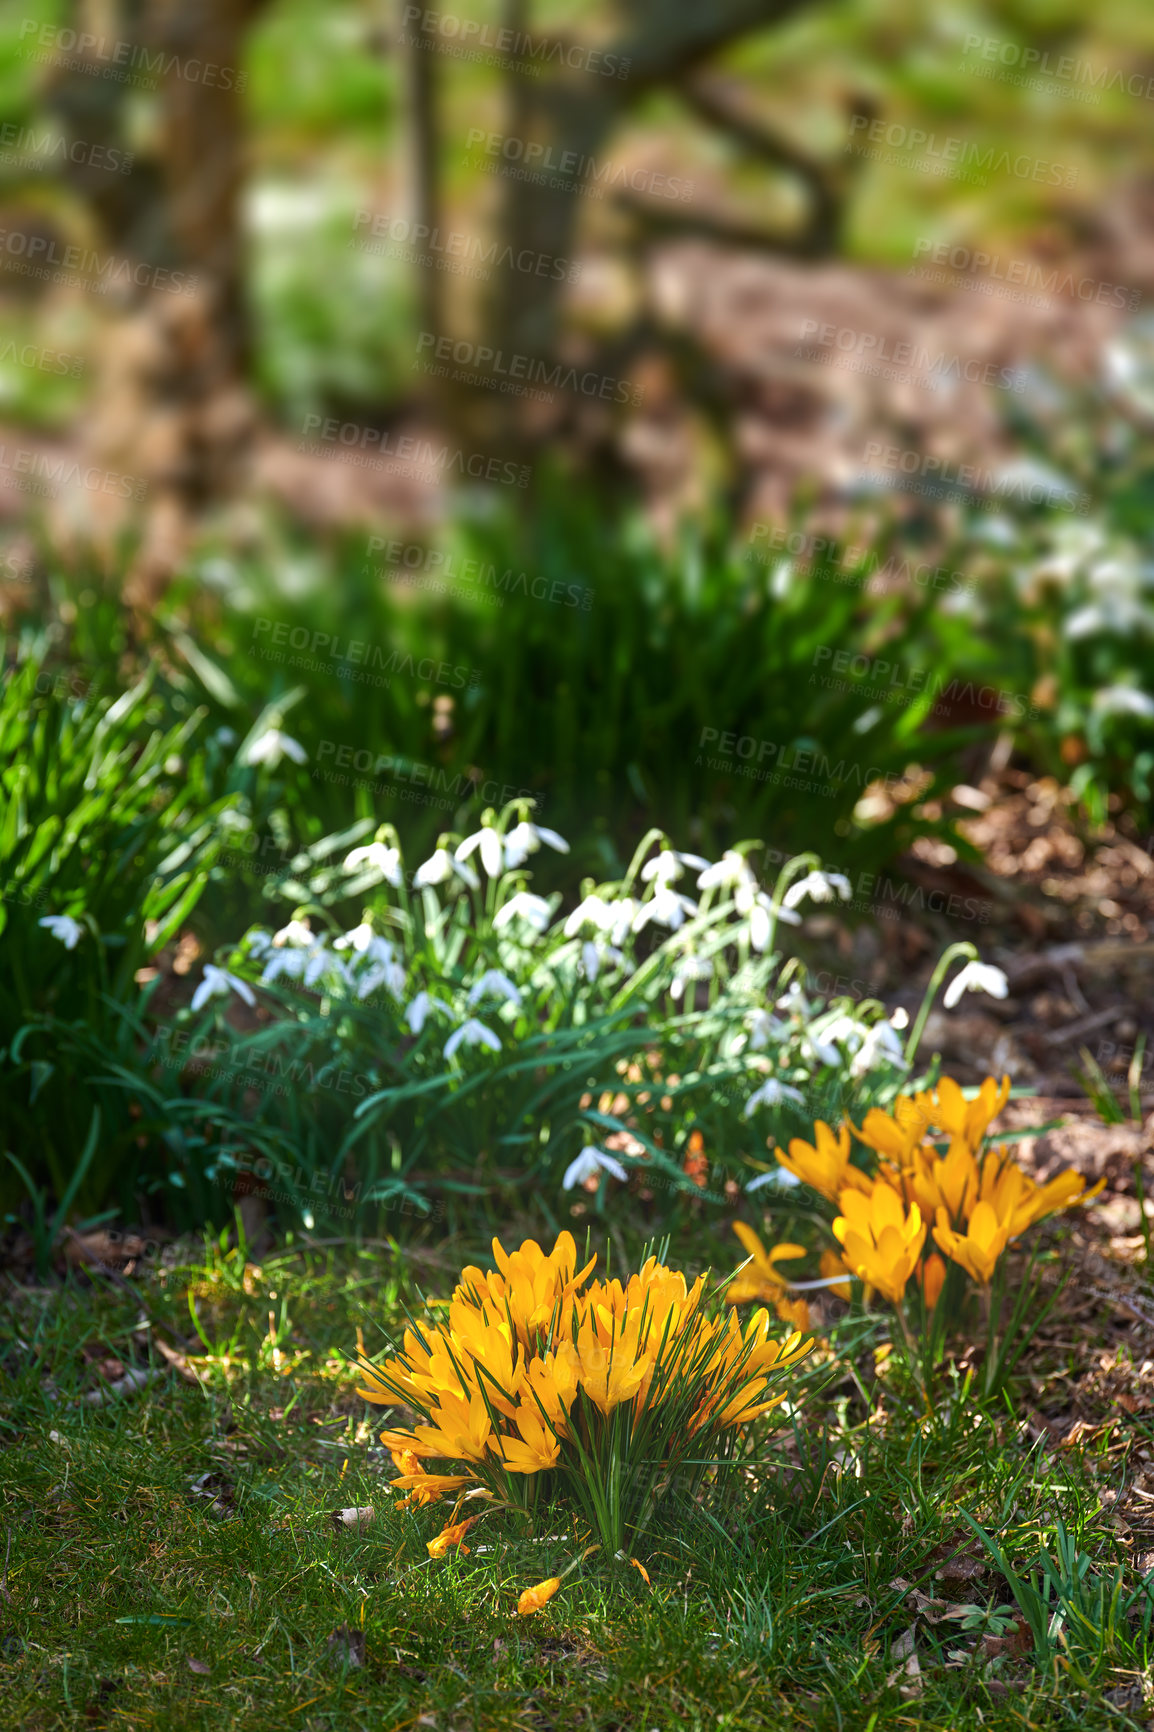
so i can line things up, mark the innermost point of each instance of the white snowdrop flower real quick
(781, 1180)
(218, 983)
(382, 968)
(495, 983)
(272, 746)
(284, 961)
(845, 1031)
(525, 839)
(440, 866)
(590, 1162)
(533, 910)
(664, 867)
(669, 865)
(63, 927)
(689, 968)
(771, 1094)
(881, 1042)
(793, 1000)
(596, 956)
(667, 908)
(259, 943)
(359, 939)
(821, 886)
(386, 972)
(823, 1050)
(417, 1013)
(900, 1018)
(762, 911)
(976, 977)
(593, 911)
(296, 932)
(472, 1033)
(729, 873)
(488, 842)
(318, 962)
(624, 912)
(763, 1027)
(385, 861)
(1124, 701)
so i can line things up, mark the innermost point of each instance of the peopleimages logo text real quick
(437, 460)
(454, 248)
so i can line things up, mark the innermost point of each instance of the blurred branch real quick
(828, 183)
(669, 38)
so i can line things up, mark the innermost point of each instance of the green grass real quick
(788, 1602)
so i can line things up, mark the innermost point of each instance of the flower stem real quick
(962, 948)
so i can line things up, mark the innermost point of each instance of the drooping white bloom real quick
(384, 971)
(218, 983)
(472, 1033)
(624, 912)
(319, 961)
(417, 1013)
(489, 842)
(763, 1027)
(689, 968)
(284, 961)
(385, 861)
(664, 867)
(593, 911)
(594, 955)
(793, 1000)
(494, 983)
(533, 910)
(65, 928)
(828, 1042)
(588, 1163)
(976, 977)
(669, 865)
(272, 746)
(667, 907)
(1123, 701)
(771, 1094)
(441, 865)
(782, 1179)
(823, 1050)
(731, 871)
(259, 943)
(880, 1041)
(762, 911)
(383, 968)
(296, 932)
(361, 939)
(821, 886)
(525, 839)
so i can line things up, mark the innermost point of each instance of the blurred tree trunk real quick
(573, 113)
(172, 411)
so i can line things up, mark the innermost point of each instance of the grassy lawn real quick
(175, 1556)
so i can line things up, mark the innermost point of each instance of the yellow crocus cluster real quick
(533, 1366)
(933, 1189)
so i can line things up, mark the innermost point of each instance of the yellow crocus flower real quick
(882, 1243)
(461, 1430)
(535, 1449)
(826, 1168)
(532, 1599)
(979, 1247)
(761, 1279)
